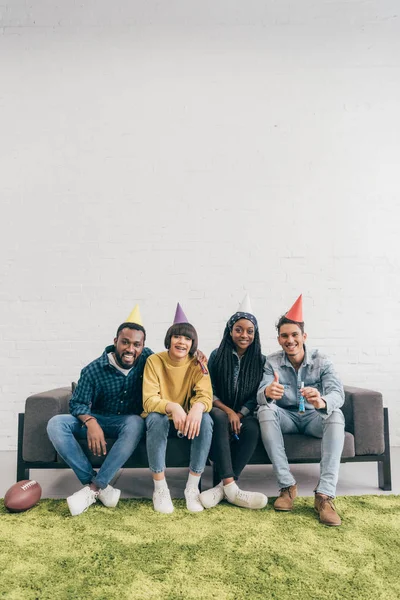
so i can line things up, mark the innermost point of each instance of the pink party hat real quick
(180, 316)
(296, 312)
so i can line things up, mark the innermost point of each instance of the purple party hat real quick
(180, 316)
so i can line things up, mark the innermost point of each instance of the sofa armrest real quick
(39, 409)
(363, 410)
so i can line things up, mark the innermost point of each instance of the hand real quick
(202, 361)
(95, 438)
(313, 396)
(178, 415)
(193, 420)
(274, 390)
(235, 421)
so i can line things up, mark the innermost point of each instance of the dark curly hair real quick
(250, 375)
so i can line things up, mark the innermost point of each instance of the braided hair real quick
(250, 374)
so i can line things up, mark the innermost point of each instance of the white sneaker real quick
(80, 501)
(244, 499)
(162, 501)
(213, 496)
(109, 496)
(192, 495)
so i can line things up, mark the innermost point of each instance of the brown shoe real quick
(326, 509)
(286, 498)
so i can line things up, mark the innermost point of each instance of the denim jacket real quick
(316, 371)
(249, 406)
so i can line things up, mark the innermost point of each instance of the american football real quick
(22, 495)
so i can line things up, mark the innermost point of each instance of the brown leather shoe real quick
(326, 509)
(286, 498)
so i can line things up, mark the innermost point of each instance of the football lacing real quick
(28, 485)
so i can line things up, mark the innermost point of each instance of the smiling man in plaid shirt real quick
(107, 402)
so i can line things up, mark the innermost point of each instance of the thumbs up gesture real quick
(274, 390)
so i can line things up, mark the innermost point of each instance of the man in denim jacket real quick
(301, 393)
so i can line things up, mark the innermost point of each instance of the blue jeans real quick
(275, 421)
(159, 426)
(65, 430)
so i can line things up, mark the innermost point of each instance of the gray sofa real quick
(366, 439)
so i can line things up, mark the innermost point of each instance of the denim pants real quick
(159, 427)
(65, 430)
(275, 421)
(230, 455)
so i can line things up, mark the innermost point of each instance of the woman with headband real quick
(236, 369)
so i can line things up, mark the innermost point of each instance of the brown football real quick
(22, 495)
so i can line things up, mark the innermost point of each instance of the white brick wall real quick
(154, 152)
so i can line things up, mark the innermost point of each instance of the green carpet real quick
(132, 553)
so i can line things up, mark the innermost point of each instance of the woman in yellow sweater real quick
(177, 395)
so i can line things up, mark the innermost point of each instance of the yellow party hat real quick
(135, 316)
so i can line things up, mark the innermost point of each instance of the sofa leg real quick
(22, 470)
(22, 473)
(384, 471)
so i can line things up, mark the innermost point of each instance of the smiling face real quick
(128, 346)
(180, 346)
(242, 335)
(292, 341)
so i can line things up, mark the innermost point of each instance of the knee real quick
(207, 423)
(134, 424)
(157, 422)
(219, 418)
(250, 427)
(336, 418)
(266, 414)
(56, 425)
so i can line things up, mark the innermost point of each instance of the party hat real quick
(296, 312)
(245, 305)
(135, 317)
(180, 316)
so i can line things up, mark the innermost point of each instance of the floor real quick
(355, 479)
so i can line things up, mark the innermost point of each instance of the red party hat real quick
(296, 312)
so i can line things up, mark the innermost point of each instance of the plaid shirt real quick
(103, 389)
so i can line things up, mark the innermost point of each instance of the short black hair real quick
(283, 320)
(185, 329)
(135, 326)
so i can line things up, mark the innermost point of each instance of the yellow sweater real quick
(165, 380)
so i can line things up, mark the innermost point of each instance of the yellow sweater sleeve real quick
(203, 392)
(152, 401)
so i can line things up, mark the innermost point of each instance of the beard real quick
(120, 360)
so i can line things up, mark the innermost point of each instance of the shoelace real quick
(245, 496)
(328, 501)
(90, 495)
(216, 494)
